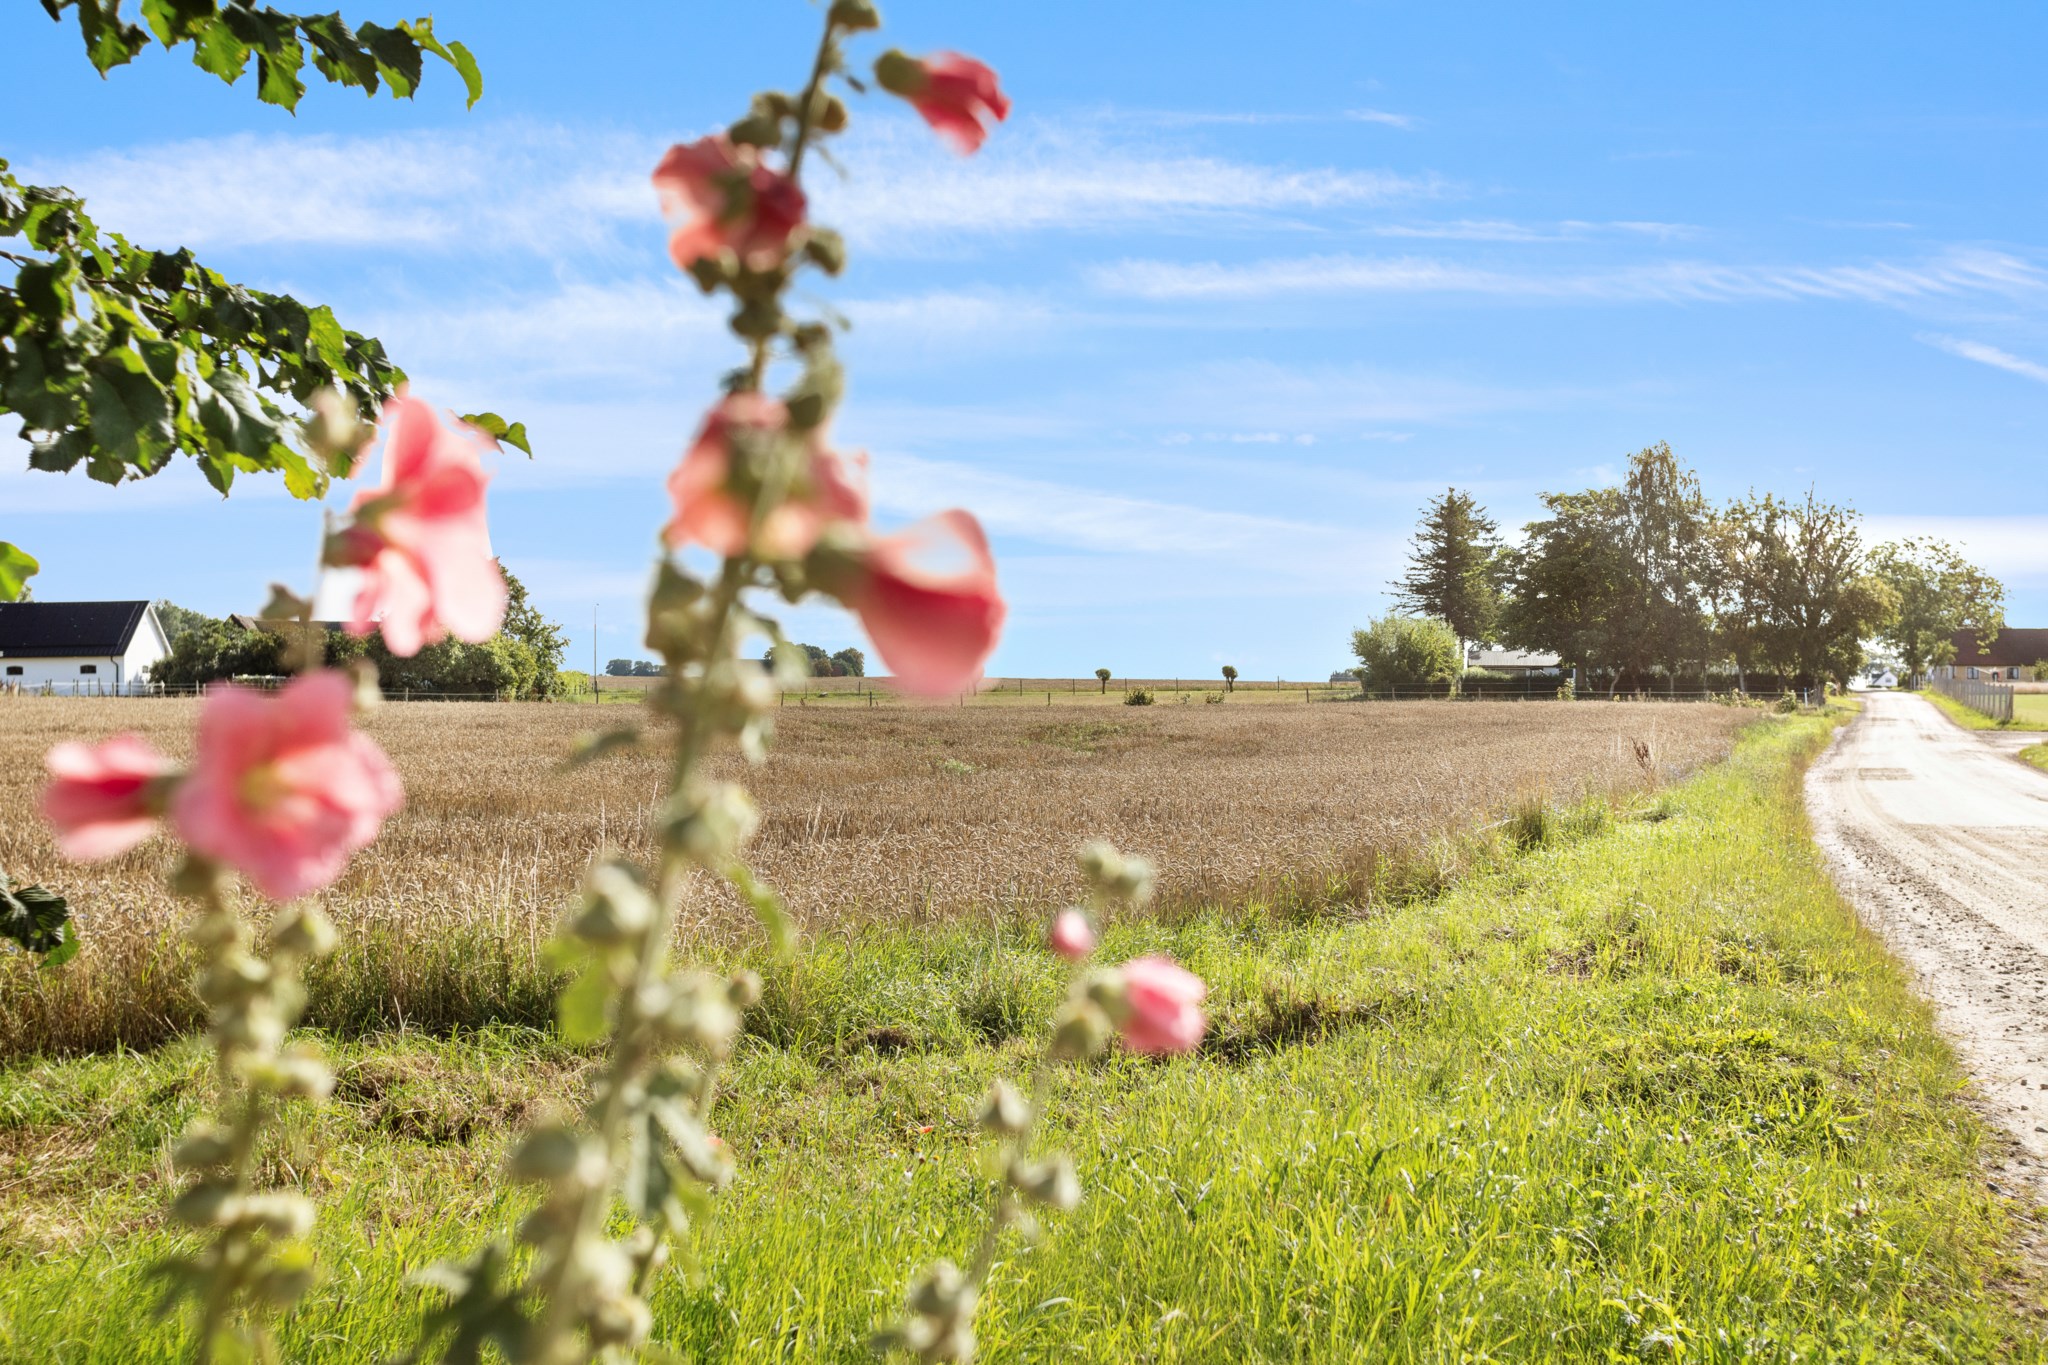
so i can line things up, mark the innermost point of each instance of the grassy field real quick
(2036, 754)
(2029, 712)
(900, 817)
(1025, 692)
(1645, 1090)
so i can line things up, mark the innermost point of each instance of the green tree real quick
(1733, 588)
(1617, 577)
(1406, 651)
(543, 639)
(852, 663)
(176, 620)
(1102, 676)
(1453, 568)
(209, 650)
(119, 357)
(1665, 539)
(1229, 678)
(1571, 591)
(1817, 600)
(1939, 594)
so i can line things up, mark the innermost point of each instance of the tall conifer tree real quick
(1451, 569)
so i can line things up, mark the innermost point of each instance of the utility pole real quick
(595, 698)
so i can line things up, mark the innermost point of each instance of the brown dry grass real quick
(887, 816)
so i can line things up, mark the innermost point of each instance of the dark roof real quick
(62, 630)
(2009, 648)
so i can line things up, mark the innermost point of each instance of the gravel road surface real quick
(1939, 836)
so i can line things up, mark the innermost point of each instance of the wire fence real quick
(86, 688)
(1992, 699)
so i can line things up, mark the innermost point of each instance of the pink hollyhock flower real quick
(720, 197)
(421, 539)
(1072, 937)
(104, 800)
(955, 94)
(710, 513)
(933, 625)
(281, 787)
(1165, 1001)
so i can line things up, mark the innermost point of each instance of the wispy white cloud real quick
(651, 328)
(1502, 230)
(1985, 354)
(1953, 273)
(504, 186)
(1198, 118)
(1055, 176)
(1080, 518)
(553, 190)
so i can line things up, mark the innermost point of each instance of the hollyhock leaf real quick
(588, 748)
(580, 1009)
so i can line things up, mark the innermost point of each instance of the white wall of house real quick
(66, 675)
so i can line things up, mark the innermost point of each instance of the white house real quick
(1520, 663)
(79, 648)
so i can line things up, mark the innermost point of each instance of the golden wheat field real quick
(891, 816)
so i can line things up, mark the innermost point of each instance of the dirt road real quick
(1939, 835)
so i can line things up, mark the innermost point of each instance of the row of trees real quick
(847, 663)
(523, 659)
(1649, 578)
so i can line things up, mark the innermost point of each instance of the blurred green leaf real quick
(38, 920)
(17, 566)
(498, 429)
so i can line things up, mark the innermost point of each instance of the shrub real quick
(1137, 696)
(1405, 651)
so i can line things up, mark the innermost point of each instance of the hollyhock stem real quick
(251, 1003)
(1007, 1205)
(757, 371)
(565, 1284)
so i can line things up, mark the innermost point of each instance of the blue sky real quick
(1226, 299)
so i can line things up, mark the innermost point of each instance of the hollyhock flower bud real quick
(1165, 1002)
(333, 430)
(420, 538)
(721, 198)
(281, 788)
(104, 800)
(1072, 937)
(1004, 1110)
(933, 624)
(954, 94)
(714, 503)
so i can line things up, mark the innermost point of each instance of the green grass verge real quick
(1651, 1092)
(1966, 716)
(2036, 754)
